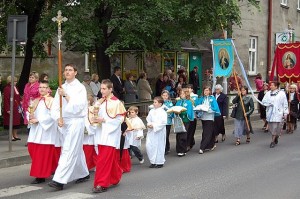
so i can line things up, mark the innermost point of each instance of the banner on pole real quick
(287, 62)
(223, 57)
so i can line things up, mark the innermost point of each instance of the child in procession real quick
(135, 135)
(167, 104)
(156, 135)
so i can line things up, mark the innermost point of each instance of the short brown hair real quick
(159, 99)
(186, 92)
(133, 108)
(72, 65)
(108, 83)
(128, 75)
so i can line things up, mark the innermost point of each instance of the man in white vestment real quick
(277, 110)
(72, 164)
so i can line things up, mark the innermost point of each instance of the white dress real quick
(72, 164)
(156, 136)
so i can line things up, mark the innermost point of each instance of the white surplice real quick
(72, 164)
(136, 135)
(156, 136)
(45, 131)
(277, 105)
(109, 133)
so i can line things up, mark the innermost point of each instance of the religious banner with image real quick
(223, 57)
(286, 62)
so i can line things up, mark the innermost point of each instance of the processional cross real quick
(59, 19)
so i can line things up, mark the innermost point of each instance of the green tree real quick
(33, 9)
(105, 26)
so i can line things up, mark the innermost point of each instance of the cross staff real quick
(59, 19)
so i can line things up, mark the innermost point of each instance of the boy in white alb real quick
(136, 134)
(42, 136)
(156, 135)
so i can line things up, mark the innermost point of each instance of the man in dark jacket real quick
(194, 79)
(118, 85)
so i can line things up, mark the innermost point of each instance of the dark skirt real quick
(208, 138)
(219, 127)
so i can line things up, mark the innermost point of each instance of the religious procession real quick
(95, 128)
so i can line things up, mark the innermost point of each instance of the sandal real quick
(238, 142)
(248, 140)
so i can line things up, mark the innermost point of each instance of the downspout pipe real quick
(269, 44)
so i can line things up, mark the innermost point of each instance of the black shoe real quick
(152, 166)
(38, 181)
(56, 185)
(167, 152)
(80, 180)
(276, 139)
(99, 189)
(17, 138)
(272, 145)
(158, 166)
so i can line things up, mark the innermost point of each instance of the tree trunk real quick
(102, 62)
(33, 19)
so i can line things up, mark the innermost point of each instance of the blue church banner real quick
(223, 57)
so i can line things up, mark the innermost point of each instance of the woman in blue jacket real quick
(186, 116)
(207, 118)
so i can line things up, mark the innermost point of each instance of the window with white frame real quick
(284, 2)
(252, 55)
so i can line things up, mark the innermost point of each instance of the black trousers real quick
(219, 127)
(181, 140)
(137, 152)
(208, 138)
(168, 129)
(191, 133)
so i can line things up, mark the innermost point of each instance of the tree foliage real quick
(106, 26)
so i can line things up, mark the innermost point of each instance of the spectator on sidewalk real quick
(118, 84)
(16, 108)
(95, 85)
(144, 92)
(31, 92)
(89, 91)
(130, 89)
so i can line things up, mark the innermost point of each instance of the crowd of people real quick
(85, 126)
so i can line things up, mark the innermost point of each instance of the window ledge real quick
(284, 6)
(252, 73)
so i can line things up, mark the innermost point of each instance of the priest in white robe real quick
(156, 135)
(42, 136)
(71, 165)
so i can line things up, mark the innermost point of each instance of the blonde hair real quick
(9, 79)
(34, 74)
(133, 108)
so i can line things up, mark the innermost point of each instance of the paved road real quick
(246, 171)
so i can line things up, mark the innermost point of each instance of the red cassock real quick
(109, 173)
(44, 159)
(125, 161)
(6, 106)
(90, 156)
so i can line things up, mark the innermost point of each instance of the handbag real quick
(178, 125)
(233, 112)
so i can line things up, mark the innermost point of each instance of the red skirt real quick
(125, 162)
(90, 156)
(108, 171)
(44, 161)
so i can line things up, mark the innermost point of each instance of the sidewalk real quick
(19, 154)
